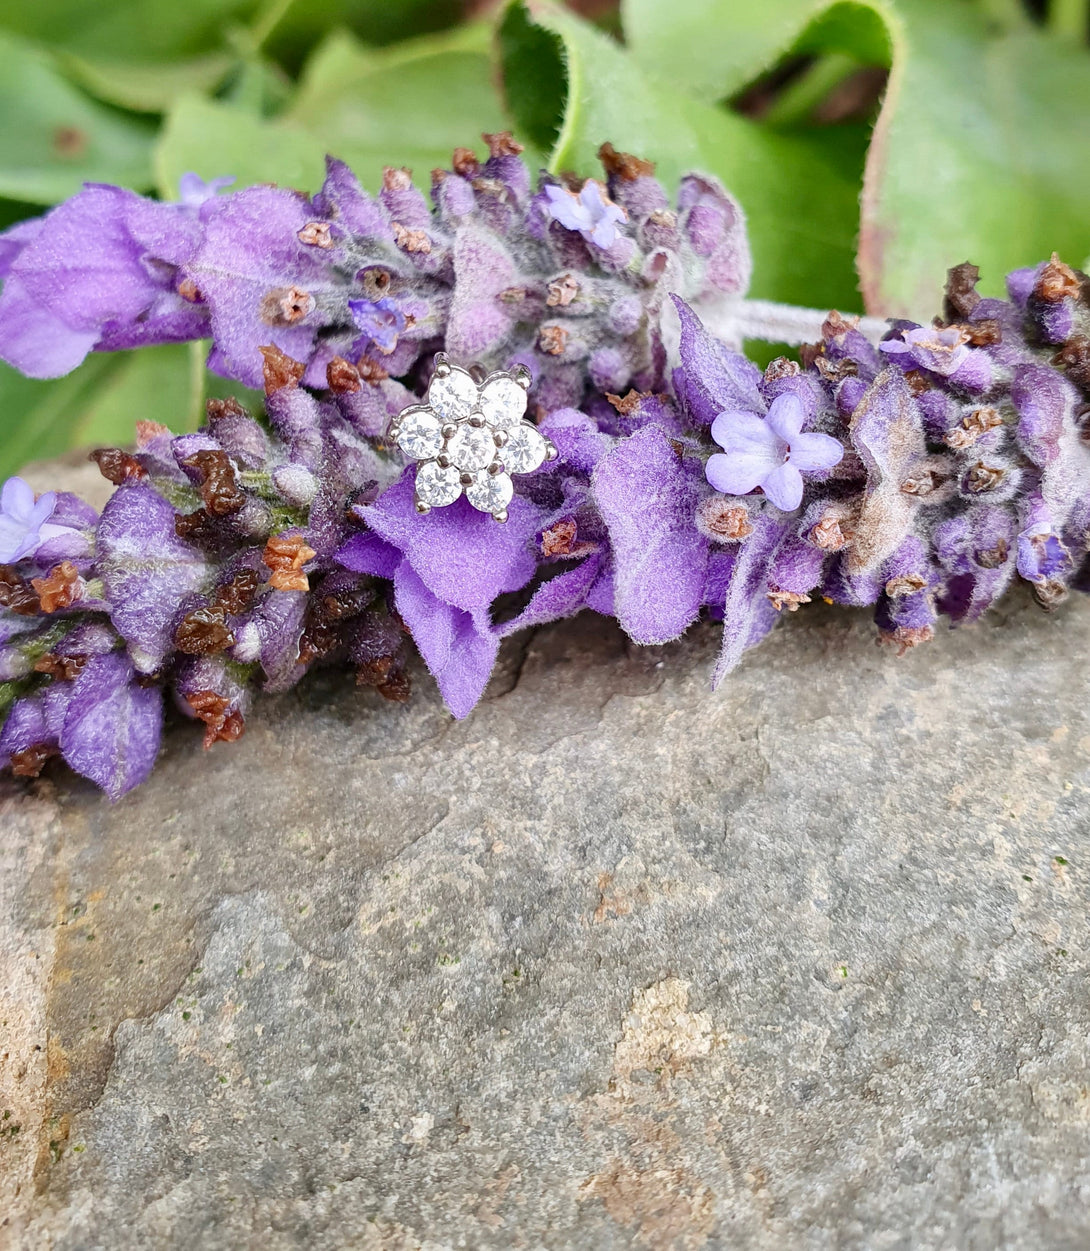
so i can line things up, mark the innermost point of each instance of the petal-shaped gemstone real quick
(502, 403)
(472, 448)
(419, 434)
(437, 486)
(454, 396)
(490, 493)
(524, 450)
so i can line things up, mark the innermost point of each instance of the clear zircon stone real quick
(502, 403)
(437, 486)
(524, 450)
(454, 396)
(419, 435)
(472, 448)
(490, 493)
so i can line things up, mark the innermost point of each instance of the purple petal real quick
(561, 596)
(17, 499)
(112, 725)
(786, 415)
(712, 378)
(34, 340)
(783, 486)
(813, 452)
(742, 433)
(367, 553)
(458, 651)
(147, 570)
(747, 613)
(647, 498)
(463, 557)
(737, 474)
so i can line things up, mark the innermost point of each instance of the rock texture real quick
(617, 962)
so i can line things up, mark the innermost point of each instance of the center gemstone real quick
(471, 447)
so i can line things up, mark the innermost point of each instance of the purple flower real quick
(193, 191)
(23, 520)
(591, 212)
(380, 320)
(769, 452)
(100, 271)
(943, 351)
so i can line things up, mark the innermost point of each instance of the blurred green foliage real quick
(872, 142)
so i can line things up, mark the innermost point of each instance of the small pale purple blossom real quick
(590, 212)
(380, 320)
(23, 519)
(769, 452)
(193, 191)
(943, 351)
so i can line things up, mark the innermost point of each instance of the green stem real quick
(268, 19)
(1067, 18)
(1009, 15)
(195, 413)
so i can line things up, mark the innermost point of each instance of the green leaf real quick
(799, 192)
(122, 30)
(377, 21)
(213, 139)
(100, 402)
(715, 47)
(409, 105)
(980, 154)
(146, 87)
(54, 138)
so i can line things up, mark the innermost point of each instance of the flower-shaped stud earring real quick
(471, 436)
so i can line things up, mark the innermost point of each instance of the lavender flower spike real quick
(23, 519)
(769, 452)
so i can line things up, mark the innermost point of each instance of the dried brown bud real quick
(1049, 594)
(285, 555)
(117, 466)
(973, 425)
(553, 340)
(982, 477)
(238, 595)
(316, 235)
(197, 526)
(465, 163)
(1057, 282)
(904, 638)
(782, 367)
(917, 383)
(189, 291)
(222, 723)
(285, 306)
(318, 640)
(835, 371)
(502, 143)
(978, 333)
(370, 371)
(340, 605)
(905, 584)
(624, 165)
(395, 179)
(837, 324)
(961, 293)
(410, 240)
(385, 675)
(60, 588)
(1074, 359)
(62, 668)
(628, 404)
(220, 490)
(216, 409)
(787, 599)
(992, 557)
(204, 632)
(559, 539)
(343, 377)
(148, 431)
(562, 291)
(719, 519)
(29, 762)
(280, 370)
(16, 593)
(832, 531)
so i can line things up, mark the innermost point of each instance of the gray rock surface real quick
(617, 962)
